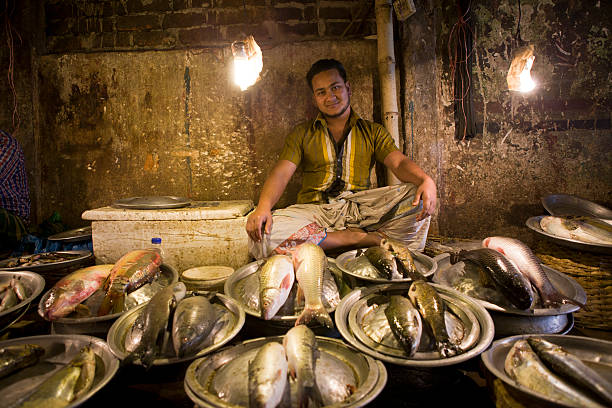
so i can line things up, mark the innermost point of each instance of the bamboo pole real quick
(386, 71)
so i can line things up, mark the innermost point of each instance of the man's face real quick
(331, 94)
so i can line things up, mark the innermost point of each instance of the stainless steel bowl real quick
(231, 324)
(513, 321)
(99, 325)
(226, 372)
(595, 351)
(425, 265)
(534, 224)
(34, 284)
(59, 350)
(459, 300)
(564, 204)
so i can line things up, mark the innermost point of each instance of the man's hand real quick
(427, 192)
(256, 220)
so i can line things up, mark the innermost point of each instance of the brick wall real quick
(100, 25)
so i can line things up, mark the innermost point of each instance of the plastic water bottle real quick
(156, 245)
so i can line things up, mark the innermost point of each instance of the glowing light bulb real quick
(526, 83)
(248, 62)
(519, 74)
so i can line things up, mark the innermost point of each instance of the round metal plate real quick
(59, 350)
(76, 257)
(74, 235)
(564, 204)
(425, 265)
(463, 301)
(362, 314)
(152, 202)
(231, 318)
(34, 284)
(563, 283)
(369, 375)
(534, 224)
(596, 351)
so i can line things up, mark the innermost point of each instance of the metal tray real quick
(59, 350)
(425, 265)
(598, 352)
(152, 202)
(564, 204)
(534, 224)
(74, 235)
(230, 325)
(206, 377)
(459, 299)
(81, 258)
(245, 278)
(34, 284)
(101, 324)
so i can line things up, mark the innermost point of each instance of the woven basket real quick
(593, 272)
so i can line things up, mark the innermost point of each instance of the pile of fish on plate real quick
(174, 323)
(12, 293)
(61, 388)
(554, 372)
(390, 260)
(507, 273)
(579, 227)
(108, 285)
(41, 259)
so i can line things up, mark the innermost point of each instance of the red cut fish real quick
(129, 273)
(71, 290)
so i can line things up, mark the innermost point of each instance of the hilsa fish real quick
(571, 368)
(529, 265)
(267, 376)
(495, 267)
(14, 358)
(130, 272)
(194, 319)
(301, 350)
(310, 264)
(70, 291)
(276, 277)
(405, 322)
(523, 365)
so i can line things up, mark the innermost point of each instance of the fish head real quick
(270, 302)
(56, 304)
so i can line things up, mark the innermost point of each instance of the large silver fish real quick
(310, 264)
(276, 277)
(570, 367)
(301, 349)
(145, 338)
(13, 358)
(267, 376)
(193, 321)
(580, 228)
(405, 323)
(529, 265)
(523, 365)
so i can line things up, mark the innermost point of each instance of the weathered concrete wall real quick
(173, 123)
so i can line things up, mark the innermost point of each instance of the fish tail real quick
(317, 313)
(558, 299)
(310, 397)
(112, 302)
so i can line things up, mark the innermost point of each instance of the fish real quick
(362, 266)
(70, 291)
(145, 339)
(524, 366)
(310, 264)
(194, 319)
(384, 261)
(505, 276)
(14, 358)
(405, 322)
(65, 385)
(426, 299)
(276, 277)
(20, 290)
(267, 376)
(402, 253)
(570, 367)
(580, 228)
(529, 265)
(9, 300)
(130, 272)
(301, 350)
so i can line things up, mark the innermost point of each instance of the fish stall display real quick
(42, 260)
(570, 371)
(298, 369)
(175, 325)
(53, 370)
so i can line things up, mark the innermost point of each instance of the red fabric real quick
(312, 232)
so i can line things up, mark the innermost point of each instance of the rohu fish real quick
(194, 319)
(301, 350)
(310, 263)
(405, 322)
(276, 277)
(267, 376)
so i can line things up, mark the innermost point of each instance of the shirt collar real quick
(353, 119)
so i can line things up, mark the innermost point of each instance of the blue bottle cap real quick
(156, 240)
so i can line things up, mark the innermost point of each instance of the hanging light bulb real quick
(248, 62)
(519, 74)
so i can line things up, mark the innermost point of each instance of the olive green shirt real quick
(330, 168)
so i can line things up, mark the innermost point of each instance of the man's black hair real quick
(325, 65)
